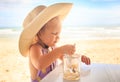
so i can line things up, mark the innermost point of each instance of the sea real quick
(10, 32)
(71, 33)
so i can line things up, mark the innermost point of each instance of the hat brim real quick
(27, 35)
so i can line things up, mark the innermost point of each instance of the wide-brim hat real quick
(36, 19)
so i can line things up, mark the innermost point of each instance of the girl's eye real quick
(54, 33)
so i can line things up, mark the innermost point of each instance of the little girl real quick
(41, 32)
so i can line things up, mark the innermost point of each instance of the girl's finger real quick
(89, 61)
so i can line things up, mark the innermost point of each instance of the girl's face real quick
(51, 32)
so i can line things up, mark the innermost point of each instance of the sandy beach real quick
(14, 67)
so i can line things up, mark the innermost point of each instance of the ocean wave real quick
(9, 33)
(91, 33)
(74, 33)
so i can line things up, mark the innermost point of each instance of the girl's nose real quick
(57, 37)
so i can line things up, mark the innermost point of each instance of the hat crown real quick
(33, 15)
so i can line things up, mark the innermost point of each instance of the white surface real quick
(93, 73)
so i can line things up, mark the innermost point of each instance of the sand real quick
(14, 67)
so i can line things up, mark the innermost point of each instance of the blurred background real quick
(93, 25)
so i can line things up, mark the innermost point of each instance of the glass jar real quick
(71, 67)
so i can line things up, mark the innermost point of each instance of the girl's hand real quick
(85, 60)
(67, 49)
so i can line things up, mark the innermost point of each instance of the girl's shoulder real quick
(35, 51)
(35, 47)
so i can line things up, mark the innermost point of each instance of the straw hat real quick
(36, 19)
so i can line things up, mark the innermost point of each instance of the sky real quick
(84, 12)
